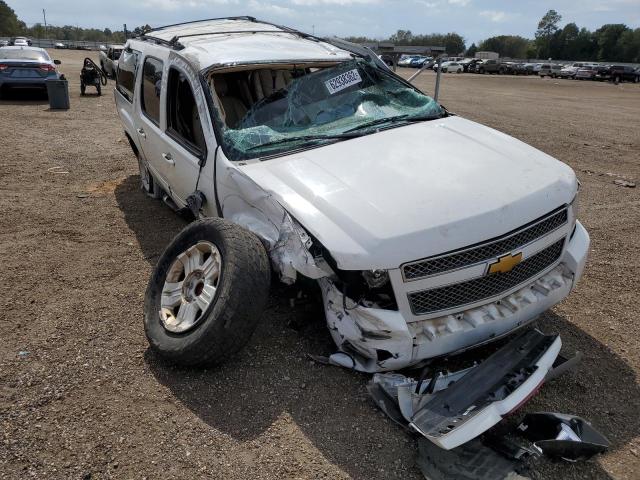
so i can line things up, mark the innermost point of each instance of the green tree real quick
(401, 37)
(471, 52)
(607, 37)
(547, 29)
(629, 45)
(512, 46)
(9, 23)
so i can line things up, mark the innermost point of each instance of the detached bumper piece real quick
(452, 409)
(562, 436)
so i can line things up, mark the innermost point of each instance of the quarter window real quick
(151, 84)
(126, 73)
(183, 120)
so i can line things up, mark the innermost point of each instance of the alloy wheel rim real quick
(190, 287)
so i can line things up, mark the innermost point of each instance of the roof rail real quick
(175, 43)
(242, 17)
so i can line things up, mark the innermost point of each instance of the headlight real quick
(376, 278)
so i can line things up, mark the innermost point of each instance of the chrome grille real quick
(451, 296)
(492, 249)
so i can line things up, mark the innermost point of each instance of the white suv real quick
(309, 159)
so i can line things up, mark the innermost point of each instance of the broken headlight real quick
(376, 278)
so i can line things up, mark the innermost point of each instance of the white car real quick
(308, 160)
(20, 42)
(452, 67)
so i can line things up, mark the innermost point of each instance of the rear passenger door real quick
(149, 127)
(185, 147)
(124, 93)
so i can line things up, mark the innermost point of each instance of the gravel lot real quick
(81, 396)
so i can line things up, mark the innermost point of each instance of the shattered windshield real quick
(328, 105)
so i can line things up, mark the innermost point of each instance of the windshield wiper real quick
(398, 118)
(379, 121)
(305, 138)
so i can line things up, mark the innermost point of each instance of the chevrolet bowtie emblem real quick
(505, 263)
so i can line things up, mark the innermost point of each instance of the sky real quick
(473, 19)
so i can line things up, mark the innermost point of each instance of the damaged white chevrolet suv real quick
(307, 157)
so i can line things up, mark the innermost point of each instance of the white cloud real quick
(269, 8)
(179, 4)
(494, 15)
(333, 2)
(462, 3)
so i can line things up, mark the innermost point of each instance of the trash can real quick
(58, 92)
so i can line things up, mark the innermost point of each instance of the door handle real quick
(168, 158)
(141, 133)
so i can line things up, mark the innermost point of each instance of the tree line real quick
(12, 26)
(610, 42)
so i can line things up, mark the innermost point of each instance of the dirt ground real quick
(81, 396)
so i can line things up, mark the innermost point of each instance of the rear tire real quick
(236, 302)
(148, 184)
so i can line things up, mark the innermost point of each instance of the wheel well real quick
(132, 144)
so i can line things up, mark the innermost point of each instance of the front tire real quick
(207, 293)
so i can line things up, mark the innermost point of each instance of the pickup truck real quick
(491, 66)
(109, 59)
(617, 73)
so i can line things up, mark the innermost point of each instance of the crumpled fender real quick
(287, 243)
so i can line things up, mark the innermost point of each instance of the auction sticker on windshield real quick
(342, 81)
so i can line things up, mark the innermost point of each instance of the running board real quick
(488, 392)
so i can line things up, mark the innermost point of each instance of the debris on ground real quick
(471, 461)
(625, 183)
(563, 436)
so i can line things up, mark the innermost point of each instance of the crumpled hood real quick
(411, 192)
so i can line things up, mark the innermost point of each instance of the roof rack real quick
(242, 17)
(175, 43)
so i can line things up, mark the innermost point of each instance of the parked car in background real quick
(568, 72)
(588, 72)
(452, 67)
(522, 69)
(103, 48)
(405, 60)
(59, 45)
(4, 43)
(469, 63)
(550, 70)
(109, 59)
(418, 62)
(20, 42)
(26, 67)
(617, 73)
(492, 66)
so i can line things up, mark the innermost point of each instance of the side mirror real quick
(57, 62)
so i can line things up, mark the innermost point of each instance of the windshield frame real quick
(218, 124)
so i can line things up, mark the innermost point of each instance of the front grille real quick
(451, 296)
(486, 251)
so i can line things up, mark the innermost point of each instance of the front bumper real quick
(375, 340)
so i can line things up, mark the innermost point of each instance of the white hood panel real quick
(411, 192)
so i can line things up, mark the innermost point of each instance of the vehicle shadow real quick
(273, 377)
(17, 96)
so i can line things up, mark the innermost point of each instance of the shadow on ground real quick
(273, 376)
(22, 96)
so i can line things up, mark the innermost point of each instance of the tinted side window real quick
(151, 83)
(126, 74)
(183, 120)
